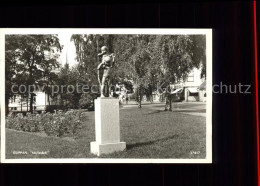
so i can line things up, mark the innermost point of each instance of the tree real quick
(34, 56)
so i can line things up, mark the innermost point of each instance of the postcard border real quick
(207, 32)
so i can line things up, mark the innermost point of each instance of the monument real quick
(107, 123)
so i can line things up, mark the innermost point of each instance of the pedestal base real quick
(98, 149)
(107, 127)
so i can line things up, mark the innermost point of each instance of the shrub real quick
(28, 123)
(59, 124)
(52, 108)
(13, 122)
(62, 124)
(31, 123)
(87, 101)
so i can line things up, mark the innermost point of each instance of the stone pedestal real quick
(107, 127)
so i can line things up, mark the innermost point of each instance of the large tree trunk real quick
(6, 106)
(48, 94)
(31, 103)
(21, 105)
(139, 98)
(27, 104)
(30, 83)
(140, 102)
(49, 102)
(168, 103)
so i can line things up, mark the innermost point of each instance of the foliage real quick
(28, 123)
(144, 60)
(62, 124)
(87, 101)
(59, 124)
(73, 92)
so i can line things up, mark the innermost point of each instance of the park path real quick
(191, 108)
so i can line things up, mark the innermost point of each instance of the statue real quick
(107, 122)
(107, 62)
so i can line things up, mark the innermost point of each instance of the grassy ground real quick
(149, 132)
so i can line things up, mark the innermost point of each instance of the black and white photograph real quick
(106, 95)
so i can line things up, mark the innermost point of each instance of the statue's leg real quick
(100, 83)
(103, 83)
(102, 86)
(98, 73)
(109, 87)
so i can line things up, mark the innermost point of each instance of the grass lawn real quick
(149, 132)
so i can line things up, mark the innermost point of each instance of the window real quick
(194, 94)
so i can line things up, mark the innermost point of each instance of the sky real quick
(69, 48)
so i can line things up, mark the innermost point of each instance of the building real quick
(40, 100)
(190, 90)
(192, 84)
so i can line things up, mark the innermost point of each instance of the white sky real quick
(69, 48)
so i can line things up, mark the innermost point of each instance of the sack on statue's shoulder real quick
(106, 58)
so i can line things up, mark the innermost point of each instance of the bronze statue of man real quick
(107, 62)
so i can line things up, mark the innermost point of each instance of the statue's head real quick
(104, 49)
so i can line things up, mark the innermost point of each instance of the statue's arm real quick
(113, 59)
(100, 65)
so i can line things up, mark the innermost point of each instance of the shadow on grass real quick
(155, 112)
(158, 104)
(178, 110)
(188, 110)
(141, 144)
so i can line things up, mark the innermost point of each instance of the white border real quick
(207, 32)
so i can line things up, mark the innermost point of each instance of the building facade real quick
(189, 90)
(41, 100)
(191, 86)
